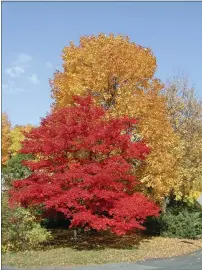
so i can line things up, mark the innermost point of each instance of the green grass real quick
(90, 249)
(61, 257)
(98, 248)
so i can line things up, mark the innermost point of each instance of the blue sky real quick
(34, 34)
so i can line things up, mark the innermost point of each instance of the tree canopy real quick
(6, 139)
(185, 111)
(17, 136)
(120, 76)
(85, 169)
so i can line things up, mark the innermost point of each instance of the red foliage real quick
(84, 169)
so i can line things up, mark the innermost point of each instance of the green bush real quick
(184, 224)
(20, 230)
(176, 223)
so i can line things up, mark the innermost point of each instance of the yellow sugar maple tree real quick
(120, 76)
(5, 139)
(154, 127)
(99, 63)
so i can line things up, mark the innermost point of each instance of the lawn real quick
(98, 249)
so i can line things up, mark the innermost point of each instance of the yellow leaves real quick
(96, 62)
(120, 76)
(11, 138)
(186, 117)
(156, 130)
(191, 197)
(17, 137)
(6, 139)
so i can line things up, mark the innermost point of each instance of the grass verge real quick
(98, 250)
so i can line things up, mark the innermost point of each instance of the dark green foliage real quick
(153, 226)
(179, 221)
(184, 224)
(56, 221)
(14, 169)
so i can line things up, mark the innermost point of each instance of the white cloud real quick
(14, 71)
(34, 78)
(23, 59)
(18, 66)
(10, 88)
(49, 65)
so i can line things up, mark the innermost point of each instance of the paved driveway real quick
(188, 262)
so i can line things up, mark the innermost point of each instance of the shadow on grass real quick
(93, 240)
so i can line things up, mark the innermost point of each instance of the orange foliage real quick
(6, 139)
(120, 75)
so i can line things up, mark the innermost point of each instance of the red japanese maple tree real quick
(85, 170)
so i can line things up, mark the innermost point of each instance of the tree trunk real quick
(165, 203)
(75, 235)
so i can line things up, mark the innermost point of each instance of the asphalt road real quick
(188, 262)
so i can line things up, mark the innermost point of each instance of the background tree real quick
(84, 171)
(186, 117)
(120, 76)
(6, 139)
(17, 136)
(14, 169)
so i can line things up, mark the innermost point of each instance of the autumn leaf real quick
(80, 174)
(120, 76)
(185, 111)
(6, 139)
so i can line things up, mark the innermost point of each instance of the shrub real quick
(20, 230)
(185, 224)
(177, 222)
